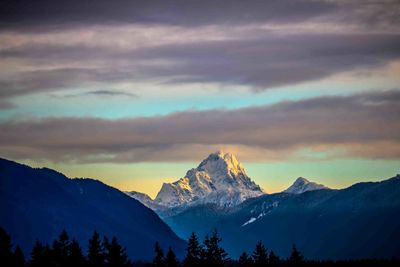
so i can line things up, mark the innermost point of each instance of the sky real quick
(135, 93)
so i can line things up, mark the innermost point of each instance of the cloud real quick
(262, 62)
(105, 93)
(6, 105)
(48, 46)
(364, 125)
(272, 61)
(48, 15)
(73, 13)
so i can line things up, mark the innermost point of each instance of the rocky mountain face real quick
(302, 185)
(219, 179)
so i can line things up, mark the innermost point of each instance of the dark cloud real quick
(365, 125)
(6, 105)
(105, 93)
(49, 14)
(272, 61)
(111, 93)
(58, 79)
(264, 62)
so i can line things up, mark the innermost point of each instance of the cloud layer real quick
(120, 49)
(261, 63)
(365, 126)
(48, 46)
(73, 13)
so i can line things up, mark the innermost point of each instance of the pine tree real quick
(158, 260)
(260, 255)
(170, 259)
(193, 252)
(295, 257)
(95, 251)
(75, 255)
(40, 255)
(6, 255)
(214, 255)
(273, 259)
(116, 255)
(18, 257)
(60, 250)
(245, 260)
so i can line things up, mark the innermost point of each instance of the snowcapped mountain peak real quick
(302, 185)
(220, 162)
(301, 181)
(220, 179)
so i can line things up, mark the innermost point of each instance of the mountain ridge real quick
(49, 202)
(319, 222)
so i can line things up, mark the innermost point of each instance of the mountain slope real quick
(39, 203)
(219, 179)
(302, 185)
(145, 200)
(362, 221)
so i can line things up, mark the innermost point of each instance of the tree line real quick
(105, 252)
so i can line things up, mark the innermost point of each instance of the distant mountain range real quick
(362, 221)
(219, 179)
(40, 203)
(357, 222)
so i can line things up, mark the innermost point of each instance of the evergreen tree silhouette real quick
(95, 255)
(170, 259)
(193, 252)
(260, 255)
(60, 250)
(6, 254)
(245, 260)
(158, 260)
(295, 258)
(75, 255)
(213, 254)
(273, 259)
(18, 257)
(40, 255)
(115, 254)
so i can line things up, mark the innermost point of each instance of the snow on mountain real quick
(141, 197)
(219, 179)
(302, 185)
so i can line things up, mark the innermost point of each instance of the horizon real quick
(159, 183)
(135, 94)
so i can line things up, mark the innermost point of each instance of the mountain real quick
(145, 200)
(141, 197)
(219, 179)
(40, 203)
(302, 185)
(362, 221)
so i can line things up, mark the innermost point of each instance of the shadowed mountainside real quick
(40, 203)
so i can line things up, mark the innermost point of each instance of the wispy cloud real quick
(49, 46)
(46, 14)
(101, 93)
(263, 62)
(16, 14)
(364, 125)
